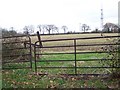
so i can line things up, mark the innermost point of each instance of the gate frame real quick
(74, 39)
(28, 42)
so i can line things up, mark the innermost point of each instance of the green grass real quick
(25, 78)
(68, 63)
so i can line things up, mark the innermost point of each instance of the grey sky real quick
(18, 13)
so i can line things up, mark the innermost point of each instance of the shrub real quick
(113, 54)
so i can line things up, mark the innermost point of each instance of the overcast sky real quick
(72, 13)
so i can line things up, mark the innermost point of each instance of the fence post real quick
(35, 58)
(75, 56)
(39, 39)
(30, 51)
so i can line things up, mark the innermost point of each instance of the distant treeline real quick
(10, 34)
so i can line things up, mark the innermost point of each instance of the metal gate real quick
(16, 53)
(76, 62)
(73, 56)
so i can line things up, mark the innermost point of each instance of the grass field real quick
(95, 63)
(64, 36)
(26, 78)
(71, 42)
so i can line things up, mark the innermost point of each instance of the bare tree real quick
(64, 28)
(12, 31)
(28, 29)
(31, 29)
(40, 28)
(55, 28)
(85, 27)
(49, 28)
(44, 28)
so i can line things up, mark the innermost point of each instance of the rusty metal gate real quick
(16, 53)
(79, 62)
(73, 56)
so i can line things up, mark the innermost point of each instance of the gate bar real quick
(75, 56)
(39, 39)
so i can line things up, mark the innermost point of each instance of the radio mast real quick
(101, 16)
